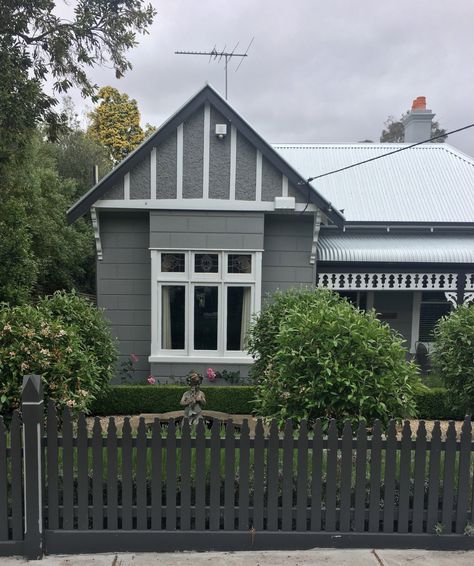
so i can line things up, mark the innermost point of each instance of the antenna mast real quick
(227, 55)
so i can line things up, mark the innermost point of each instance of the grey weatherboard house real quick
(205, 218)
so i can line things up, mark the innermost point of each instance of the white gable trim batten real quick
(284, 186)
(258, 187)
(96, 227)
(179, 160)
(153, 173)
(233, 161)
(207, 145)
(126, 186)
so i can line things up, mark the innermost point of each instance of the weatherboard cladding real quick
(391, 247)
(427, 183)
(219, 158)
(193, 154)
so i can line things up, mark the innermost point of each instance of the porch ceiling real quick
(402, 248)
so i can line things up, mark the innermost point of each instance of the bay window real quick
(202, 303)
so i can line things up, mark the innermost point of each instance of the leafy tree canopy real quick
(115, 123)
(36, 44)
(394, 131)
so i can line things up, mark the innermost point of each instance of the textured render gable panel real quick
(246, 169)
(140, 185)
(116, 192)
(219, 158)
(166, 168)
(193, 154)
(271, 181)
(427, 183)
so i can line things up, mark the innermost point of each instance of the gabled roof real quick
(206, 94)
(430, 183)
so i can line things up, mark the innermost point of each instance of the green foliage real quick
(394, 131)
(454, 354)
(433, 404)
(65, 340)
(115, 123)
(318, 356)
(136, 399)
(35, 43)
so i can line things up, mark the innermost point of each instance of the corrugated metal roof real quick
(390, 247)
(427, 183)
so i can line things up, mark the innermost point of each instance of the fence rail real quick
(168, 487)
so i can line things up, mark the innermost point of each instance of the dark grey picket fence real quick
(175, 488)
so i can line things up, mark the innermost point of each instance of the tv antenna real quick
(214, 54)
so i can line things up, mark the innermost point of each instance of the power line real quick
(388, 153)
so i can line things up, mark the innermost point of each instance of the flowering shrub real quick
(65, 339)
(151, 380)
(211, 375)
(318, 356)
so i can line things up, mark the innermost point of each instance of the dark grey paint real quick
(124, 281)
(246, 169)
(271, 181)
(287, 250)
(196, 229)
(219, 161)
(193, 154)
(399, 303)
(140, 179)
(166, 167)
(175, 373)
(116, 192)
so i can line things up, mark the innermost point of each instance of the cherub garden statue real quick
(193, 399)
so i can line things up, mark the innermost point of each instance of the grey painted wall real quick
(140, 187)
(399, 303)
(246, 169)
(271, 181)
(193, 154)
(124, 281)
(166, 168)
(219, 159)
(196, 229)
(173, 373)
(287, 246)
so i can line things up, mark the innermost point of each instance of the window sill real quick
(243, 360)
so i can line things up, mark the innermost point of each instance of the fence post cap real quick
(32, 389)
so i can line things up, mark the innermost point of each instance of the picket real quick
(375, 476)
(302, 479)
(360, 489)
(389, 481)
(17, 477)
(52, 467)
(97, 477)
(272, 478)
(112, 474)
(405, 472)
(258, 476)
(316, 476)
(432, 516)
(464, 475)
(448, 479)
(287, 478)
(156, 476)
(346, 478)
(141, 477)
(331, 477)
(244, 472)
(3, 482)
(68, 477)
(215, 478)
(419, 479)
(127, 481)
(185, 518)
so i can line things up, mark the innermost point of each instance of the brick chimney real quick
(418, 121)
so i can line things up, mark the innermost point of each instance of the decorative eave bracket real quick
(95, 226)
(316, 230)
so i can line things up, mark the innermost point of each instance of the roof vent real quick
(221, 130)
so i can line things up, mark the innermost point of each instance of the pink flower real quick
(134, 358)
(151, 380)
(211, 374)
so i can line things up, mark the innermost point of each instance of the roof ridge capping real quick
(206, 94)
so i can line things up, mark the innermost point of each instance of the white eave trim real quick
(243, 360)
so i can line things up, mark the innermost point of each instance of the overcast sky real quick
(318, 71)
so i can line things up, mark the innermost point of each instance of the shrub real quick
(318, 356)
(454, 354)
(63, 347)
(136, 399)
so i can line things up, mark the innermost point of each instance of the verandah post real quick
(33, 414)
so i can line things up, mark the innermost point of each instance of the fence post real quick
(32, 414)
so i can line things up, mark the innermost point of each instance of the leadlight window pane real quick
(239, 263)
(172, 263)
(173, 306)
(206, 263)
(238, 316)
(205, 317)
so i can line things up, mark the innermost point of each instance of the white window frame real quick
(190, 279)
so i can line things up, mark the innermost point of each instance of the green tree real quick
(36, 44)
(394, 131)
(115, 123)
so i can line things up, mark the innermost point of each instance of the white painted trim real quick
(126, 186)
(198, 204)
(155, 258)
(370, 300)
(179, 160)
(153, 173)
(316, 230)
(205, 359)
(207, 145)
(96, 228)
(236, 250)
(258, 281)
(284, 186)
(32, 403)
(258, 177)
(233, 161)
(415, 321)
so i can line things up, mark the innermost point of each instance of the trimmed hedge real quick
(135, 399)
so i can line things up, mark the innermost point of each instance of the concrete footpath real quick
(332, 557)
